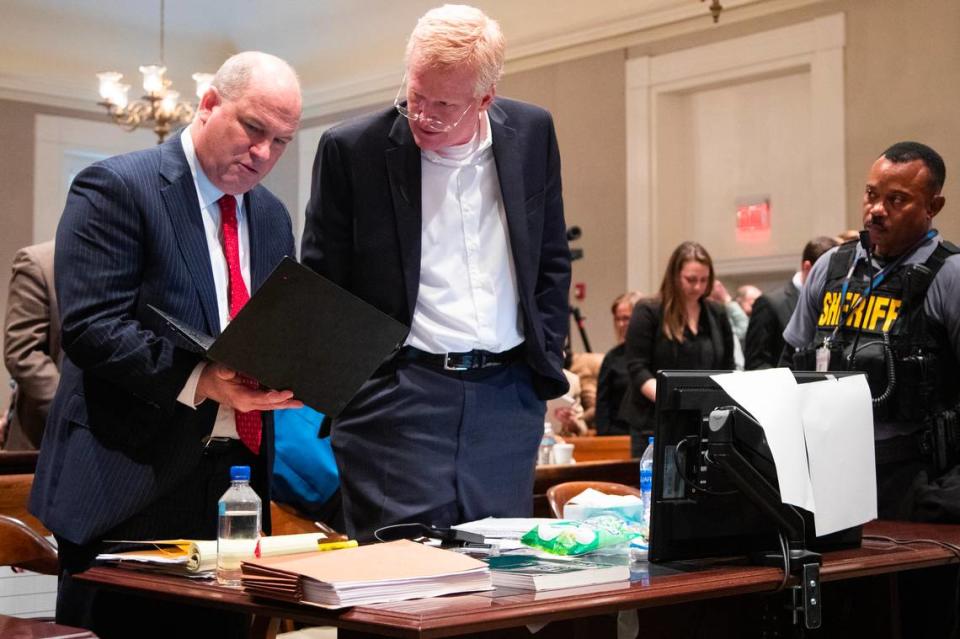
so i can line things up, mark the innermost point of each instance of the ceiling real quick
(346, 51)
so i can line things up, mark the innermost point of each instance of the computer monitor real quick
(715, 490)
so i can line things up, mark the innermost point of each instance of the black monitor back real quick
(706, 516)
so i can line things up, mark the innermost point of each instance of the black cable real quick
(864, 302)
(423, 529)
(676, 463)
(785, 551)
(888, 361)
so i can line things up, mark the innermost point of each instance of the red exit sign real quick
(754, 217)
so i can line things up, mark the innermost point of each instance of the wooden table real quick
(667, 591)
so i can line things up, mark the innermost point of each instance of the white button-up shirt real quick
(467, 296)
(208, 194)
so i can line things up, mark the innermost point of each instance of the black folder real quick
(301, 332)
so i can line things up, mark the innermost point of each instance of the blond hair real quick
(457, 35)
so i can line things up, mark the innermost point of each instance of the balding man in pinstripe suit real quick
(141, 433)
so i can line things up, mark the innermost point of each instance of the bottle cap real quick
(239, 473)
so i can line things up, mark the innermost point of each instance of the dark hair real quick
(817, 247)
(909, 151)
(674, 309)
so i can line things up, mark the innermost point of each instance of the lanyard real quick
(875, 282)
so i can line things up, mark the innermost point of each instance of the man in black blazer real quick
(764, 343)
(142, 432)
(446, 213)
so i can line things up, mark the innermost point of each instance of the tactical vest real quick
(917, 352)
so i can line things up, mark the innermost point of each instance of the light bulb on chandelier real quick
(160, 107)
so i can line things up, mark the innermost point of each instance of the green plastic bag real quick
(580, 537)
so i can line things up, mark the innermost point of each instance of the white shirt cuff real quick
(190, 387)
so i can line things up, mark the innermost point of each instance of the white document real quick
(770, 396)
(503, 527)
(838, 426)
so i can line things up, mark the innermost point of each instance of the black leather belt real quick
(467, 361)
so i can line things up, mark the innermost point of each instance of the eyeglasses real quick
(429, 122)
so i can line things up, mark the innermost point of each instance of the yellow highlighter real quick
(336, 545)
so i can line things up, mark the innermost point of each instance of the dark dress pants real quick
(421, 444)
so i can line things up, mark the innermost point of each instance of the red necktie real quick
(248, 424)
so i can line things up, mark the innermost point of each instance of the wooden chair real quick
(287, 520)
(560, 494)
(23, 547)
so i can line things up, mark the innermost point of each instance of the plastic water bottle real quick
(545, 455)
(646, 484)
(239, 526)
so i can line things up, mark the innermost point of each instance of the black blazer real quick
(648, 350)
(363, 222)
(131, 235)
(771, 313)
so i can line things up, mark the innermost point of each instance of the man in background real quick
(142, 433)
(445, 212)
(31, 345)
(889, 307)
(746, 296)
(771, 311)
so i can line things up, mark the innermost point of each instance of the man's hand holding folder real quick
(225, 386)
(298, 332)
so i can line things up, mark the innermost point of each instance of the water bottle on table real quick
(545, 455)
(239, 526)
(646, 483)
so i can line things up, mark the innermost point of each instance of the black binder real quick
(300, 331)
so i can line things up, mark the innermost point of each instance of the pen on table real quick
(336, 545)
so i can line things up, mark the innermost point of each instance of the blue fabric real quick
(304, 471)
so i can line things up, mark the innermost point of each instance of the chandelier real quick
(160, 107)
(715, 9)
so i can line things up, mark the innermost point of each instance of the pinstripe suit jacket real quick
(132, 236)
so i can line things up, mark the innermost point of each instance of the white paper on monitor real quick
(770, 396)
(838, 426)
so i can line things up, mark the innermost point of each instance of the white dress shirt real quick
(467, 296)
(208, 194)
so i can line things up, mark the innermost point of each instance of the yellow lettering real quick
(867, 312)
(892, 314)
(858, 311)
(827, 310)
(835, 312)
(879, 312)
(851, 301)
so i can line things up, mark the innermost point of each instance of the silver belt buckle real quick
(209, 439)
(459, 366)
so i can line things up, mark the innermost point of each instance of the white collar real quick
(470, 152)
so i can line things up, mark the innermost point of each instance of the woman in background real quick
(680, 329)
(613, 379)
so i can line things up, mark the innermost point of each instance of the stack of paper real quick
(376, 573)
(530, 572)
